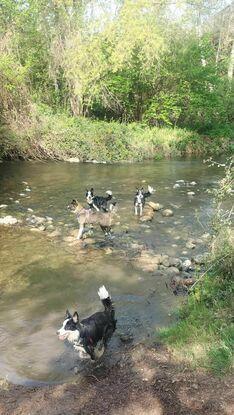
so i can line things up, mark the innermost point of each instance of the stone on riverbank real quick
(8, 220)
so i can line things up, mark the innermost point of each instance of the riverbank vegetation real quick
(204, 333)
(115, 81)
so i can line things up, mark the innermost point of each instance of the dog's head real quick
(75, 206)
(89, 195)
(139, 195)
(70, 329)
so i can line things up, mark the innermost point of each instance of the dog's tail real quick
(106, 300)
(151, 190)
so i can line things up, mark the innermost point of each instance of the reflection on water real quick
(39, 278)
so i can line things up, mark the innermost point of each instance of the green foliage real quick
(205, 330)
(130, 63)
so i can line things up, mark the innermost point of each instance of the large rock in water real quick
(154, 206)
(8, 220)
(148, 261)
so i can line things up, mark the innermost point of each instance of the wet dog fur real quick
(98, 202)
(139, 199)
(87, 216)
(90, 335)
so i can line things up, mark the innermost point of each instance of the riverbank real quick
(204, 333)
(146, 380)
(60, 137)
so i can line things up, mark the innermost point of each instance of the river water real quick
(40, 278)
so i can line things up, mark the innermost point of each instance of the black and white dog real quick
(139, 200)
(90, 335)
(98, 202)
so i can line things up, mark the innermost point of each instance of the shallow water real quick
(40, 278)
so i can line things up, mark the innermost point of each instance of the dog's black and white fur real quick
(90, 335)
(98, 202)
(139, 200)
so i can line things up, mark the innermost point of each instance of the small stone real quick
(190, 193)
(27, 189)
(30, 210)
(171, 271)
(3, 206)
(108, 251)
(187, 265)
(17, 201)
(167, 213)
(73, 160)
(193, 183)
(206, 236)
(175, 262)
(165, 261)
(126, 338)
(49, 219)
(55, 233)
(76, 370)
(190, 245)
(50, 227)
(179, 181)
(39, 220)
(42, 228)
(176, 186)
(200, 259)
(8, 220)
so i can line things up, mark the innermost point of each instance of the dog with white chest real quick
(90, 336)
(139, 199)
(98, 202)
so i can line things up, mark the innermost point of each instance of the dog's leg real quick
(80, 233)
(95, 207)
(141, 209)
(135, 210)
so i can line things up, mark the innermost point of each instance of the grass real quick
(204, 332)
(59, 136)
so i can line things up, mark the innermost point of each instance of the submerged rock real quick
(30, 210)
(167, 213)
(175, 262)
(190, 245)
(148, 261)
(171, 271)
(8, 220)
(3, 206)
(176, 186)
(200, 259)
(190, 193)
(155, 206)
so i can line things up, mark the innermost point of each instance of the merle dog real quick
(90, 335)
(139, 200)
(91, 217)
(98, 202)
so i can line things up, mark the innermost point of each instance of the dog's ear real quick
(91, 190)
(68, 314)
(75, 317)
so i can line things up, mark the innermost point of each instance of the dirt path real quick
(145, 381)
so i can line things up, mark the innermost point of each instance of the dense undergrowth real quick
(204, 333)
(59, 136)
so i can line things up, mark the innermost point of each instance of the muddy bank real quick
(144, 381)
